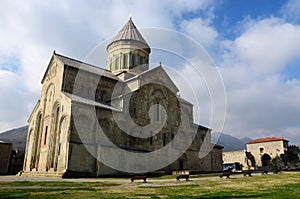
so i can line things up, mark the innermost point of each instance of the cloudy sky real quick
(255, 45)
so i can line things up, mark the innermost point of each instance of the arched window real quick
(45, 138)
(133, 60)
(109, 66)
(261, 149)
(117, 62)
(125, 62)
(103, 95)
(54, 137)
(134, 111)
(157, 112)
(141, 60)
(113, 61)
(36, 151)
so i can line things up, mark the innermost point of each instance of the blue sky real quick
(235, 11)
(255, 45)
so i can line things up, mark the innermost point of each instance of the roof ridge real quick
(266, 139)
(68, 61)
(98, 67)
(129, 32)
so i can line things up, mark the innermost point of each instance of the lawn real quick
(283, 185)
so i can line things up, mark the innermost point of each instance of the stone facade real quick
(216, 158)
(274, 147)
(234, 156)
(77, 97)
(5, 156)
(269, 148)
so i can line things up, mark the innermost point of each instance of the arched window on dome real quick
(141, 60)
(125, 60)
(103, 95)
(113, 62)
(117, 62)
(132, 60)
(157, 112)
(109, 65)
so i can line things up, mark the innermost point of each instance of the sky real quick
(254, 44)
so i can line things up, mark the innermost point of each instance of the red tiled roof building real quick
(270, 146)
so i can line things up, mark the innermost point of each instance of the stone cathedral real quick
(137, 108)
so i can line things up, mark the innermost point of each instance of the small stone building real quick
(264, 150)
(5, 156)
(234, 156)
(91, 121)
(267, 148)
(216, 158)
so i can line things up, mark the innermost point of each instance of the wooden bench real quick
(186, 176)
(265, 172)
(225, 173)
(139, 178)
(249, 173)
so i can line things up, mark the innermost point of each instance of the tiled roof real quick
(266, 139)
(86, 67)
(218, 146)
(129, 32)
(86, 101)
(148, 73)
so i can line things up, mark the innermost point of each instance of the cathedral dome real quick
(129, 32)
(128, 51)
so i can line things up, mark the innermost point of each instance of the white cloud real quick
(260, 105)
(31, 30)
(292, 133)
(261, 101)
(14, 101)
(268, 45)
(200, 30)
(291, 10)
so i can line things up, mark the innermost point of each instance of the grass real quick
(283, 185)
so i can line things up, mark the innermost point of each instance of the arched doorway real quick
(36, 144)
(265, 160)
(182, 162)
(61, 146)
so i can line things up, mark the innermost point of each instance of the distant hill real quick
(229, 142)
(246, 139)
(15, 136)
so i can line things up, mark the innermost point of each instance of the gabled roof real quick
(86, 67)
(200, 126)
(161, 72)
(78, 99)
(67, 61)
(129, 32)
(266, 139)
(184, 100)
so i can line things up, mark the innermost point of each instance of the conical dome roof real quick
(128, 50)
(129, 32)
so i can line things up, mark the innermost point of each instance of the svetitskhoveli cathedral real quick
(127, 118)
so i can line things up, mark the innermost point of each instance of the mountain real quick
(15, 136)
(229, 142)
(246, 139)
